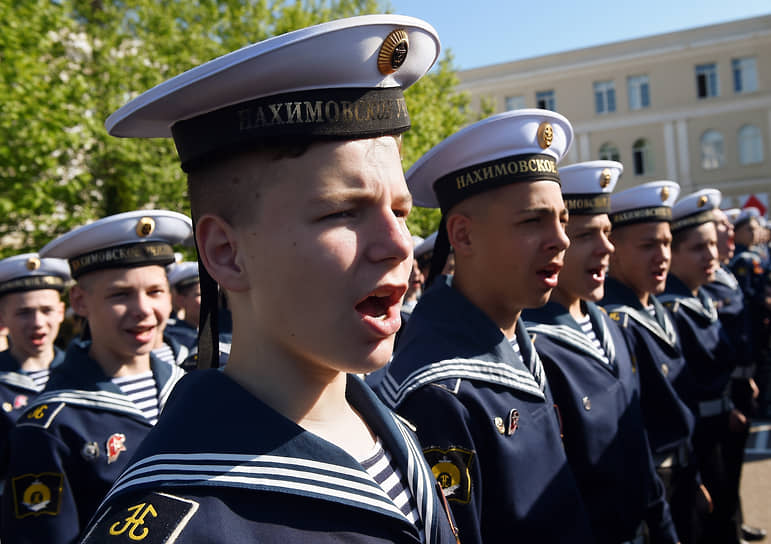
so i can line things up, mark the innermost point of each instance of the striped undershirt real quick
(40, 377)
(651, 310)
(388, 476)
(165, 354)
(588, 329)
(142, 391)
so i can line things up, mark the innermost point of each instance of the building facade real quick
(692, 106)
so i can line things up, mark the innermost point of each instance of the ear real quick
(218, 250)
(78, 300)
(459, 232)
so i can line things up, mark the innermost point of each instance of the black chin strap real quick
(208, 326)
(441, 252)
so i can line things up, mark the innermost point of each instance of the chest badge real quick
(20, 401)
(513, 421)
(115, 444)
(90, 451)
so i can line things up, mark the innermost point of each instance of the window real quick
(609, 152)
(706, 80)
(514, 102)
(604, 96)
(750, 145)
(745, 75)
(545, 100)
(712, 155)
(639, 95)
(641, 155)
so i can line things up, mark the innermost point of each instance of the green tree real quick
(65, 65)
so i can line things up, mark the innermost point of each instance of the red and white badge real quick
(20, 401)
(115, 444)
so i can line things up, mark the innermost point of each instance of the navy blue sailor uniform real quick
(69, 446)
(245, 473)
(17, 390)
(486, 422)
(669, 422)
(597, 391)
(709, 365)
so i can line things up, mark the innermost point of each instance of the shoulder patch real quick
(41, 415)
(451, 468)
(154, 518)
(37, 494)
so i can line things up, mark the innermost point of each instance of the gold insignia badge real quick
(393, 52)
(36, 494)
(702, 201)
(499, 425)
(33, 263)
(587, 402)
(545, 134)
(7, 407)
(145, 226)
(605, 177)
(451, 468)
(664, 194)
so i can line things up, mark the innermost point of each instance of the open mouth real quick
(380, 309)
(37, 339)
(598, 273)
(550, 274)
(142, 333)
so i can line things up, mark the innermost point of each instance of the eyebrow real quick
(357, 195)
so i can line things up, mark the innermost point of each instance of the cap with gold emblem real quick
(182, 274)
(28, 272)
(743, 215)
(586, 186)
(515, 146)
(695, 209)
(648, 202)
(341, 80)
(125, 240)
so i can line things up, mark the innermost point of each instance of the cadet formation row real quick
(530, 397)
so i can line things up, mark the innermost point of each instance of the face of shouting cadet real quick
(642, 256)
(587, 259)
(326, 259)
(33, 319)
(694, 260)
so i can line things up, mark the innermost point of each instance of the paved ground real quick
(756, 477)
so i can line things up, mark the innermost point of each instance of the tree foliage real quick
(65, 65)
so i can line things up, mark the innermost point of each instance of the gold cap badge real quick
(33, 263)
(145, 226)
(702, 201)
(664, 194)
(545, 134)
(393, 52)
(605, 177)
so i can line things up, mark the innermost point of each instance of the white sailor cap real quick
(586, 186)
(514, 146)
(182, 274)
(695, 209)
(28, 272)
(745, 214)
(648, 202)
(732, 213)
(125, 240)
(341, 80)
(426, 245)
(416, 240)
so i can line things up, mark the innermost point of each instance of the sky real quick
(483, 32)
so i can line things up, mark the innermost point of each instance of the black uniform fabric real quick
(244, 473)
(487, 424)
(710, 362)
(69, 446)
(597, 392)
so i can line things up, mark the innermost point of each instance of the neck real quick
(38, 361)
(114, 365)
(501, 312)
(570, 302)
(311, 395)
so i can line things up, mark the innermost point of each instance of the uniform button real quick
(587, 403)
(665, 369)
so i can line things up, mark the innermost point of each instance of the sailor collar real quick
(282, 457)
(11, 374)
(700, 306)
(478, 351)
(620, 298)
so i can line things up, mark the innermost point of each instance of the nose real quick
(142, 306)
(392, 239)
(559, 240)
(38, 319)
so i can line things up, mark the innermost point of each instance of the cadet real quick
(75, 438)
(465, 372)
(592, 376)
(708, 354)
(32, 309)
(186, 296)
(301, 210)
(640, 219)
